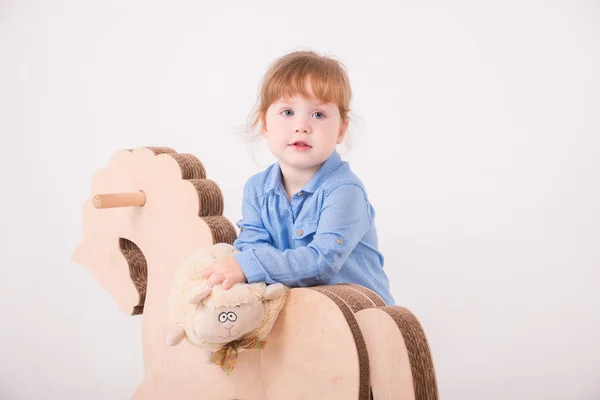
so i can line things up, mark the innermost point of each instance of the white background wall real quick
(478, 142)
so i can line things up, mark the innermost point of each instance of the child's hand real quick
(226, 271)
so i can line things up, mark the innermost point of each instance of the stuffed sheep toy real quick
(221, 322)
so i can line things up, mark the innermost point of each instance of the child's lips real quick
(301, 146)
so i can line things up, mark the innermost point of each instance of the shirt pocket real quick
(304, 232)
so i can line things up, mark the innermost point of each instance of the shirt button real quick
(300, 232)
(300, 193)
(339, 241)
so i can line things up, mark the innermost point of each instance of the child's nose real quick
(303, 128)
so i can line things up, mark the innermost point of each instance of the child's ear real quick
(343, 130)
(263, 126)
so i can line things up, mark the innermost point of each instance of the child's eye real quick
(319, 115)
(287, 113)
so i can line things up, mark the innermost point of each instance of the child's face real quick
(302, 132)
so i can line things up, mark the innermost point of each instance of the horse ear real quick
(175, 336)
(198, 293)
(274, 291)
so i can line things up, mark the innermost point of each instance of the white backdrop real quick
(478, 141)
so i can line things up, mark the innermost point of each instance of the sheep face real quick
(226, 324)
(223, 316)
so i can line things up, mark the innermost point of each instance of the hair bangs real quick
(327, 83)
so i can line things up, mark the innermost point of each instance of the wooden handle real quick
(110, 200)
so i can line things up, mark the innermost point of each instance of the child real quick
(306, 220)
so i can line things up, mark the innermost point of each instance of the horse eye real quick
(222, 317)
(232, 317)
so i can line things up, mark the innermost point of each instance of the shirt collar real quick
(273, 181)
(327, 168)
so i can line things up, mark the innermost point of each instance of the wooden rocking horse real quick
(151, 208)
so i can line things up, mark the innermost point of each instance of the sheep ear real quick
(175, 336)
(198, 293)
(274, 291)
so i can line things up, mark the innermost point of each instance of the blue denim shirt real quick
(325, 235)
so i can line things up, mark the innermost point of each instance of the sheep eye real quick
(231, 316)
(222, 317)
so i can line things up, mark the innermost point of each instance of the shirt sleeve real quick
(252, 230)
(344, 219)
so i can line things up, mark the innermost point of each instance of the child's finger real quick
(227, 283)
(216, 278)
(208, 271)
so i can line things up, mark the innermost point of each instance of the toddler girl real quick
(306, 219)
